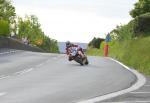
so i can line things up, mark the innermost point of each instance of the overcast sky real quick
(76, 20)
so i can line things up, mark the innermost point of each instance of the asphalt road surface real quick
(142, 95)
(28, 77)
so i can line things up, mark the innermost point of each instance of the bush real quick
(138, 27)
(95, 43)
(99, 52)
(134, 53)
(142, 25)
(4, 28)
(123, 32)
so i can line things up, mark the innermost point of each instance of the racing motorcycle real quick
(74, 55)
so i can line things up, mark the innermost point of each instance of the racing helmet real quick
(68, 44)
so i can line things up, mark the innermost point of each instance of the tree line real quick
(138, 27)
(95, 43)
(28, 27)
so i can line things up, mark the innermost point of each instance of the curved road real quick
(28, 77)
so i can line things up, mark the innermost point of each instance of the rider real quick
(69, 46)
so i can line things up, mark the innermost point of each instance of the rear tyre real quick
(87, 62)
(77, 59)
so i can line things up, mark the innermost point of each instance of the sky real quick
(76, 20)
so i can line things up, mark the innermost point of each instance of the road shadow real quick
(89, 66)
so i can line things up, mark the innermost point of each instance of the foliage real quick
(141, 7)
(138, 27)
(49, 45)
(127, 45)
(7, 10)
(30, 28)
(123, 32)
(4, 28)
(93, 51)
(99, 52)
(7, 14)
(134, 53)
(142, 25)
(95, 43)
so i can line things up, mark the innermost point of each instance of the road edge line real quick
(141, 80)
(9, 52)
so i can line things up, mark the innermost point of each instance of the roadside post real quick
(106, 47)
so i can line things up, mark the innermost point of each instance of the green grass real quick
(134, 53)
(93, 52)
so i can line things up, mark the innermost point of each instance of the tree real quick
(7, 17)
(4, 28)
(7, 10)
(30, 28)
(142, 25)
(96, 42)
(123, 32)
(141, 7)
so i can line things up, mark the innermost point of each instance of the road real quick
(141, 95)
(28, 77)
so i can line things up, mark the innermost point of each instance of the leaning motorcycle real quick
(74, 55)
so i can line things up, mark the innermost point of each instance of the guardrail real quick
(15, 44)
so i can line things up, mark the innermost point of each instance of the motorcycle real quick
(74, 55)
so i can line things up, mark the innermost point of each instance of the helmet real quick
(68, 44)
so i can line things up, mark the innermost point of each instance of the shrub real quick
(123, 32)
(95, 43)
(142, 25)
(4, 28)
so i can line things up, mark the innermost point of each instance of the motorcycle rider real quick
(70, 46)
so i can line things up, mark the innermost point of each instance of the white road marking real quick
(21, 72)
(12, 51)
(40, 65)
(3, 77)
(146, 85)
(47, 61)
(16, 73)
(141, 80)
(140, 92)
(3, 93)
(5, 53)
(8, 52)
(129, 102)
(24, 71)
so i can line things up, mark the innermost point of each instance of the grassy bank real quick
(134, 53)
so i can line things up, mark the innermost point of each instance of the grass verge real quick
(135, 53)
